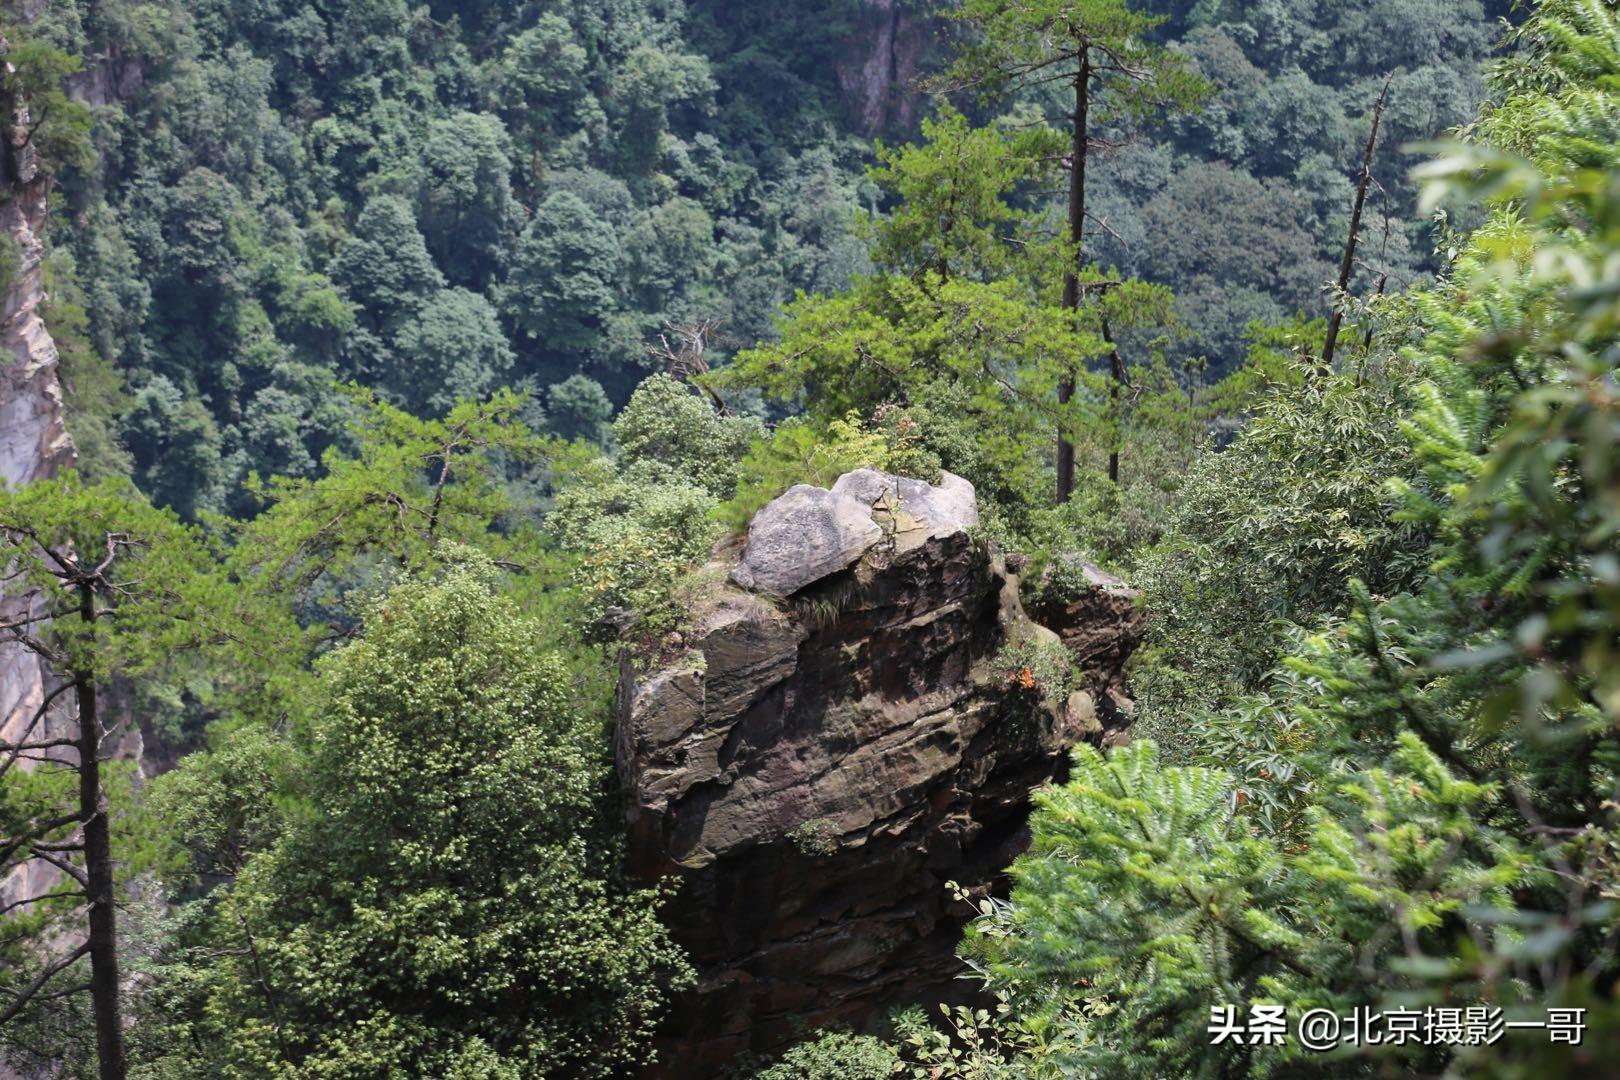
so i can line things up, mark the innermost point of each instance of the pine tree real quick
(99, 586)
(1095, 51)
(964, 305)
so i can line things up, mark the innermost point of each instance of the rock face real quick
(882, 63)
(34, 443)
(1101, 628)
(107, 79)
(824, 755)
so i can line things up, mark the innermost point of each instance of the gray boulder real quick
(935, 510)
(809, 532)
(802, 536)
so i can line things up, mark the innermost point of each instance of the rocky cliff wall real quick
(878, 76)
(829, 747)
(34, 442)
(1101, 627)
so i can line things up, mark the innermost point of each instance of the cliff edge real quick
(831, 747)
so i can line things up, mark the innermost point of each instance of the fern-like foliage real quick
(1447, 832)
(1143, 887)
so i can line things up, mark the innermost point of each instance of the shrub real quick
(637, 533)
(666, 422)
(833, 1055)
(816, 836)
(1269, 532)
(640, 523)
(1036, 666)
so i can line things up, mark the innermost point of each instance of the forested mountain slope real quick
(434, 201)
(1243, 208)
(551, 470)
(438, 200)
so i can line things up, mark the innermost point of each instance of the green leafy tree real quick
(651, 80)
(446, 899)
(833, 1054)
(639, 524)
(666, 250)
(464, 196)
(560, 289)
(1269, 533)
(892, 338)
(46, 130)
(955, 215)
(199, 226)
(1145, 902)
(542, 77)
(578, 408)
(1263, 251)
(385, 266)
(801, 451)
(176, 448)
(452, 349)
(93, 390)
(409, 484)
(665, 423)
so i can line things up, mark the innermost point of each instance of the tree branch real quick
(62, 864)
(29, 992)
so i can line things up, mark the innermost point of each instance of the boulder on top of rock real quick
(813, 774)
(813, 778)
(802, 536)
(934, 510)
(808, 532)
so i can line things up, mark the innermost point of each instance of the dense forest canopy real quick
(418, 358)
(281, 196)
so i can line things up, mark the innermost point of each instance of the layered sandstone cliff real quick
(829, 749)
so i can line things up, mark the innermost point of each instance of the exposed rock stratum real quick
(825, 751)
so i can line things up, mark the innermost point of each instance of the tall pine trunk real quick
(98, 868)
(1071, 280)
(1116, 368)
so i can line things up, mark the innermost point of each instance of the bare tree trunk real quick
(1355, 228)
(1116, 368)
(99, 889)
(1071, 280)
